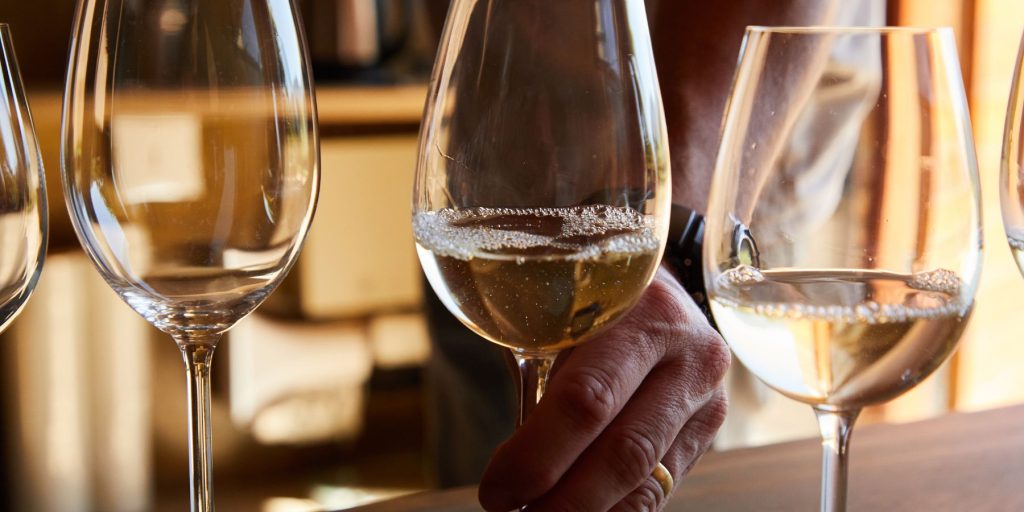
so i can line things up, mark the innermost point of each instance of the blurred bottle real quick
(369, 41)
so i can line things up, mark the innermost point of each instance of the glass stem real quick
(198, 355)
(836, 426)
(533, 379)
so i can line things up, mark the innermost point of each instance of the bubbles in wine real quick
(538, 279)
(578, 233)
(943, 300)
(741, 275)
(940, 280)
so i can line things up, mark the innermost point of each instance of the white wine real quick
(841, 338)
(538, 279)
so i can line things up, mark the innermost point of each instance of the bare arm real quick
(696, 44)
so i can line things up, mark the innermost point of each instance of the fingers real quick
(646, 498)
(584, 448)
(693, 441)
(696, 437)
(588, 391)
(621, 460)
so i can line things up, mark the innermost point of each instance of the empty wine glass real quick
(23, 218)
(1011, 190)
(191, 167)
(542, 188)
(843, 240)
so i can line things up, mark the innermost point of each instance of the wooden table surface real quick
(960, 462)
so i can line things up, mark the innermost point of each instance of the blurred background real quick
(319, 399)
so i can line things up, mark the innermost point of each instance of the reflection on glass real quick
(1012, 182)
(191, 167)
(843, 242)
(23, 218)
(542, 187)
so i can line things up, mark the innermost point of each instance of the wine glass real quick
(23, 217)
(1011, 191)
(191, 167)
(542, 190)
(843, 242)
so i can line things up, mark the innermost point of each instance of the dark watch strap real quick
(684, 253)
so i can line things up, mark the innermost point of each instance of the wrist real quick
(683, 255)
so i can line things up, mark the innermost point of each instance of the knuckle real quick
(715, 357)
(693, 447)
(672, 320)
(646, 498)
(588, 398)
(667, 303)
(716, 410)
(699, 433)
(635, 456)
(537, 479)
(705, 361)
(662, 325)
(705, 424)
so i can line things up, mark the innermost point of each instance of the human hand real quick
(647, 391)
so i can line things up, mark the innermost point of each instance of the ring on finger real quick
(664, 479)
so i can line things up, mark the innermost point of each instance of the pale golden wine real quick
(841, 338)
(540, 279)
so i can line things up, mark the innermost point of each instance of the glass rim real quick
(838, 29)
(6, 43)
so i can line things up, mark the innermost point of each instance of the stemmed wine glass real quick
(23, 217)
(542, 188)
(1011, 190)
(191, 167)
(843, 238)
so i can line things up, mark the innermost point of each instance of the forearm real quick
(696, 44)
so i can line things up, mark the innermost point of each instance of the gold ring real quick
(664, 479)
